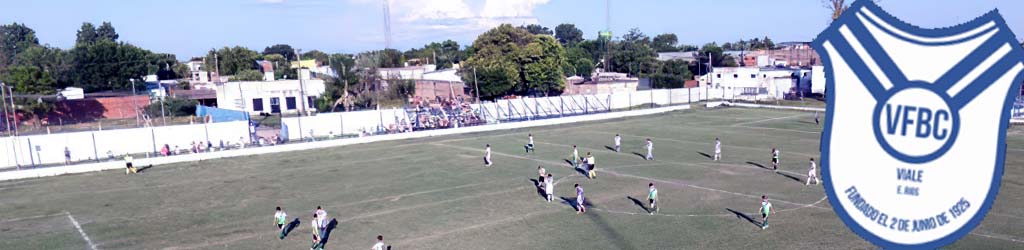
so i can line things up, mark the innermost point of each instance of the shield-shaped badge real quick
(913, 146)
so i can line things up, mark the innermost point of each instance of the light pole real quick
(134, 105)
(3, 98)
(163, 116)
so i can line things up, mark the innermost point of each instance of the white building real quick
(758, 82)
(281, 96)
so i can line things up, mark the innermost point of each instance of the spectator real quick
(67, 156)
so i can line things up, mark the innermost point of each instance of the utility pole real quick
(14, 109)
(477, 86)
(302, 87)
(216, 65)
(3, 91)
(134, 105)
(163, 115)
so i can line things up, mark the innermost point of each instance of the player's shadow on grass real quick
(572, 203)
(291, 226)
(143, 169)
(610, 148)
(327, 232)
(758, 165)
(639, 203)
(745, 217)
(704, 154)
(788, 176)
(642, 156)
(540, 188)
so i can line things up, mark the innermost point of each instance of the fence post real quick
(652, 98)
(561, 104)
(586, 105)
(206, 128)
(689, 95)
(630, 106)
(341, 120)
(31, 157)
(152, 135)
(95, 151)
(609, 101)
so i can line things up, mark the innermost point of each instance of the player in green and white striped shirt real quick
(766, 209)
(280, 217)
(652, 197)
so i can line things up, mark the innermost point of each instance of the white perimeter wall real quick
(90, 144)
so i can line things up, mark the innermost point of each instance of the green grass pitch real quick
(435, 193)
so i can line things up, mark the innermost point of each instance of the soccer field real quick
(435, 193)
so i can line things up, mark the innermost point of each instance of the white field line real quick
(86, 237)
(30, 218)
(1006, 238)
(765, 120)
(710, 145)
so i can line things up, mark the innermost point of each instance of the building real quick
(766, 82)
(601, 83)
(280, 96)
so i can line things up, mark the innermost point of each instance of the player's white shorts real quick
(812, 174)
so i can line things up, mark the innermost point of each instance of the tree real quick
(837, 7)
(688, 47)
(717, 56)
(317, 55)
(281, 49)
(495, 60)
(537, 29)
(542, 62)
(107, 65)
(727, 46)
(665, 43)
(671, 74)
(568, 34)
(51, 60)
(86, 34)
(443, 54)
(30, 80)
(15, 38)
(106, 31)
(231, 60)
(578, 62)
(247, 75)
(633, 54)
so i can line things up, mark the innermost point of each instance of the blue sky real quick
(191, 27)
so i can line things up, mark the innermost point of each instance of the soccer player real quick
(575, 157)
(380, 243)
(812, 174)
(650, 149)
(549, 187)
(580, 208)
(129, 168)
(280, 217)
(320, 213)
(541, 172)
(487, 155)
(316, 234)
(529, 146)
(652, 197)
(775, 159)
(67, 156)
(815, 117)
(718, 149)
(618, 142)
(766, 209)
(590, 166)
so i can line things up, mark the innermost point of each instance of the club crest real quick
(914, 139)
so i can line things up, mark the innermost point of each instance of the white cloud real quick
(454, 18)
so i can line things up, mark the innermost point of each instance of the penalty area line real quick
(79, 227)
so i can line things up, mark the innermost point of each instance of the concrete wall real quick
(92, 144)
(338, 123)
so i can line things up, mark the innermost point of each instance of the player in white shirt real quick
(650, 150)
(529, 146)
(487, 155)
(812, 174)
(549, 187)
(317, 240)
(380, 243)
(618, 142)
(322, 215)
(575, 157)
(718, 149)
(541, 172)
